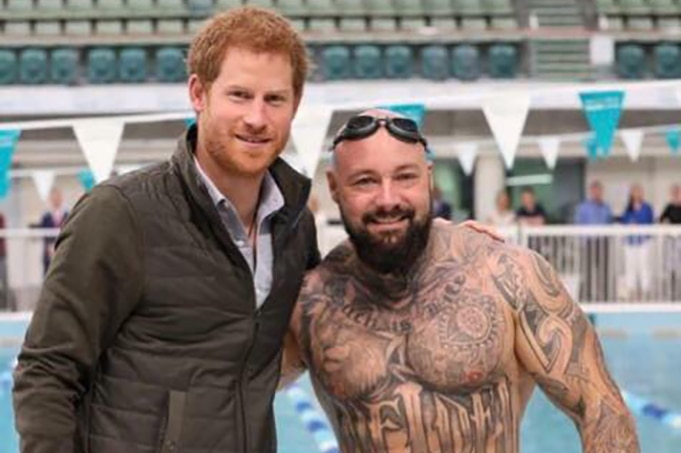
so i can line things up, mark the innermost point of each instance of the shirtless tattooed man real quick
(426, 337)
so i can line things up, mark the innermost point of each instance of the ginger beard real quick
(390, 251)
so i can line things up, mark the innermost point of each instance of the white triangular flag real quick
(632, 142)
(99, 140)
(549, 147)
(308, 133)
(43, 180)
(467, 153)
(506, 115)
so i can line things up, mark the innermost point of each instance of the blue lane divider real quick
(313, 420)
(641, 407)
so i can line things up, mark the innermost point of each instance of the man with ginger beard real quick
(422, 336)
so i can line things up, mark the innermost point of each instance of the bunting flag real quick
(308, 133)
(99, 140)
(673, 136)
(87, 179)
(549, 147)
(506, 116)
(603, 110)
(43, 180)
(591, 148)
(8, 144)
(416, 112)
(189, 122)
(632, 139)
(467, 153)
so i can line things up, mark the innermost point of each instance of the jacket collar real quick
(294, 187)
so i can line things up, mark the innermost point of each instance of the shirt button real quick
(240, 243)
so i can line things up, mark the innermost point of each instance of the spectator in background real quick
(441, 208)
(54, 217)
(637, 248)
(594, 251)
(672, 249)
(502, 215)
(672, 212)
(530, 213)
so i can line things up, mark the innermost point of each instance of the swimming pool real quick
(642, 363)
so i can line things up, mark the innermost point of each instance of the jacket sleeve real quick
(93, 284)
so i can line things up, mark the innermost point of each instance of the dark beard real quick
(397, 258)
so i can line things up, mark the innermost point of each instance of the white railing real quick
(598, 265)
(638, 266)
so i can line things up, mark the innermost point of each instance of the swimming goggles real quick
(363, 126)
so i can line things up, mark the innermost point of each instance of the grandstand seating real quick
(368, 62)
(8, 67)
(631, 61)
(101, 65)
(667, 61)
(132, 65)
(170, 67)
(33, 68)
(640, 14)
(399, 62)
(64, 66)
(503, 61)
(466, 62)
(434, 62)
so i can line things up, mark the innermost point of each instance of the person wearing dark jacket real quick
(160, 322)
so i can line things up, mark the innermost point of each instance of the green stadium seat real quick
(140, 27)
(101, 65)
(269, 4)
(336, 62)
(466, 62)
(667, 61)
(77, 28)
(112, 5)
(615, 23)
(368, 62)
(497, 7)
(298, 24)
(412, 23)
(170, 66)
(469, 8)
(47, 28)
(670, 24)
(140, 5)
(608, 7)
(665, 7)
(351, 8)
(132, 65)
(204, 8)
(409, 8)
(474, 23)
(64, 66)
(80, 5)
(634, 7)
(194, 25)
(503, 61)
(9, 67)
(222, 5)
(631, 61)
(380, 24)
(20, 5)
(438, 7)
(171, 5)
(324, 8)
(399, 62)
(353, 25)
(109, 27)
(292, 8)
(434, 62)
(170, 27)
(503, 23)
(640, 23)
(444, 23)
(33, 68)
(18, 28)
(321, 25)
(48, 6)
(380, 8)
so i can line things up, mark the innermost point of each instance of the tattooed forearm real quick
(611, 431)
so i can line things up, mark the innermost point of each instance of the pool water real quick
(642, 364)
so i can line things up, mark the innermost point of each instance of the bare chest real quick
(450, 338)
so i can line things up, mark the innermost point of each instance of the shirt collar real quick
(271, 198)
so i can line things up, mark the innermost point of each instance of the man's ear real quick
(332, 181)
(198, 95)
